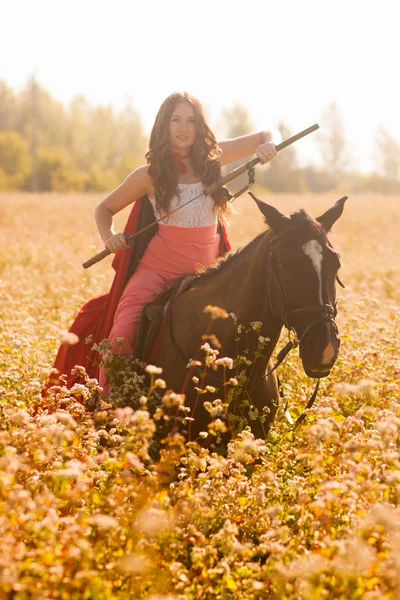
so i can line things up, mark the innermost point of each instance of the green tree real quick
(15, 161)
(388, 155)
(38, 114)
(7, 108)
(319, 180)
(332, 141)
(77, 132)
(236, 121)
(132, 140)
(128, 163)
(55, 171)
(75, 147)
(283, 173)
(101, 142)
(5, 183)
(101, 180)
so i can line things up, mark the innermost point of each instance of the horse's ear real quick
(275, 219)
(330, 217)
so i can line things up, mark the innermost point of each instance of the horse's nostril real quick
(319, 354)
(311, 347)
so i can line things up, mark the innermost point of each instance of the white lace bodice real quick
(202, 212)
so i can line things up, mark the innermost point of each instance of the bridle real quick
(325, 313)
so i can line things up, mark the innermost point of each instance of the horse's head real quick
(302, 292)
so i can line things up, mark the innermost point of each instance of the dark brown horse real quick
(285, 276)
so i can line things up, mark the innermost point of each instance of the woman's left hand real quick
(266, 152)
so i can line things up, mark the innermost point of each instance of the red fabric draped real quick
(179, 162)
(96, 317)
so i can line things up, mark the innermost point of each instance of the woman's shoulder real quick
(140, 179)
(140, 175)
(134, 187)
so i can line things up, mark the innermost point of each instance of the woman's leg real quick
(173, 252)
(143, 287)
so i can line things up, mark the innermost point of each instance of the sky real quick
(283, 60)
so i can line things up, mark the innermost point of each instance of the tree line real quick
(337, 170)
(47, 146)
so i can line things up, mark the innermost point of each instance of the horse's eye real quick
(284, 264)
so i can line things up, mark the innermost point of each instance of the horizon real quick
(314, 66)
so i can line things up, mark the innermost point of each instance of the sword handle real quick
(98, 257)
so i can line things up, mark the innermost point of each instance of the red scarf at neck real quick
(179, 162)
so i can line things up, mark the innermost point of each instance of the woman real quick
(183, 158)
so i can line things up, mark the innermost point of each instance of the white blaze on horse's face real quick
(313, 250)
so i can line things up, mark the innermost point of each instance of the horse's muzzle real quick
(319, 350)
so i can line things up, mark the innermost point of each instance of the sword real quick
(210, 189)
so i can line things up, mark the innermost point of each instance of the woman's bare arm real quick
(136, 185)
(246, 145)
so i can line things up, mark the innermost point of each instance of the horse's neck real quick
(242, 287)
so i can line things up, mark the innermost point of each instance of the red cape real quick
(96, 317)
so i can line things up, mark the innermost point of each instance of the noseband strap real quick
(326, 313)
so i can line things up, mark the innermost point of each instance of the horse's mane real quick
(300, 219)
(228, 259)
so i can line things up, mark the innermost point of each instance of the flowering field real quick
(86, 513)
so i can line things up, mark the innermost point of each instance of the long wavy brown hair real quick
(203, 154)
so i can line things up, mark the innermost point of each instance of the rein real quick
(325, 313)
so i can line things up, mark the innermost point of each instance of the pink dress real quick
(187, 241)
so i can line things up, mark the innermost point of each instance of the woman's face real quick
(182, 128)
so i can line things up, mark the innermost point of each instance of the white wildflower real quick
(153, 370)
(217, 426)
(103, 521)
(193, 363)
(226, 362)
(216, 312)
(67, 338)
(133, 564)
(171, 399)
(152, 521)
(160, 383)
(253, 414)
(206, 347)
(245, 360)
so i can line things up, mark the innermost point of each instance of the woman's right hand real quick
(116, 242)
